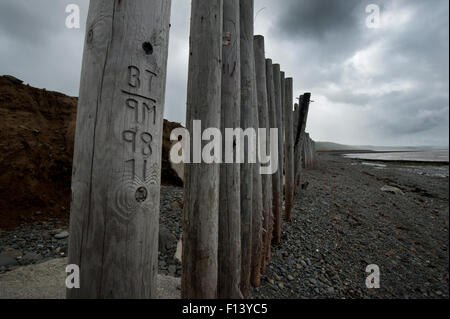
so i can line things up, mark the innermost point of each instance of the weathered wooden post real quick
(248, 102)
(263, 112)
(305, 143)
(314, 154)
(258, 214)
(302, 119)
(297, 132)
(275, 179)
(289, 150)
(298, 143)
(295, 123)
(277, 124)
(282, 129)
(230, 197)
(114, 220)
(201, 187)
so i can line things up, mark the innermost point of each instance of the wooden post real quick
(277, 124)
(294, 136)
(114, 219)
(314, 154)
(297, 142)
(305, 150)
(282, 129)
(263, 112)
(230, 197)
(275, 179)
(257, 214)
(201, 187)
(302, 119)
(289, 150)
(248, 102)
(295, 123)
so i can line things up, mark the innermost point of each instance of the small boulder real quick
(62, 235)
(166, 239)
(31, 257)
(6, 261)
(176, 205)
(179, 252)
(392, 190)
(172, 270)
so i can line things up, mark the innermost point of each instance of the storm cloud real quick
(385, 86)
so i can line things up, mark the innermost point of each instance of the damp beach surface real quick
(432, 156)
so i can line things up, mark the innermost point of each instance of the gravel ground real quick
(342, 223)
(37, 243)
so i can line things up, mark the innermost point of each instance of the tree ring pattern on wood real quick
(133, 194)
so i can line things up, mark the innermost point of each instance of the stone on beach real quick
(6, 261)
(392, 190)
(62, 235)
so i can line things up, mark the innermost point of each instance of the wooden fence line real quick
(232, 213)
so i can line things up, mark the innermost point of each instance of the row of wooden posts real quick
(232, 84)
(232, 214)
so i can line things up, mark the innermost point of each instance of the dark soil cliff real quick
(36, 149)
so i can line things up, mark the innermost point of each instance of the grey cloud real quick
(318, 19)
(402, 99)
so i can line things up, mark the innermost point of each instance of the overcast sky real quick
(387, 86)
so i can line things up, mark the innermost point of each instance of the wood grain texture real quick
(295, 121)
(117, 157)
(263, 114)
(257, 205)
(248, 103)
(201, 189)
(275, 179)
(230, 197)
(278, 195)
(289, 149)
(282, 129)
